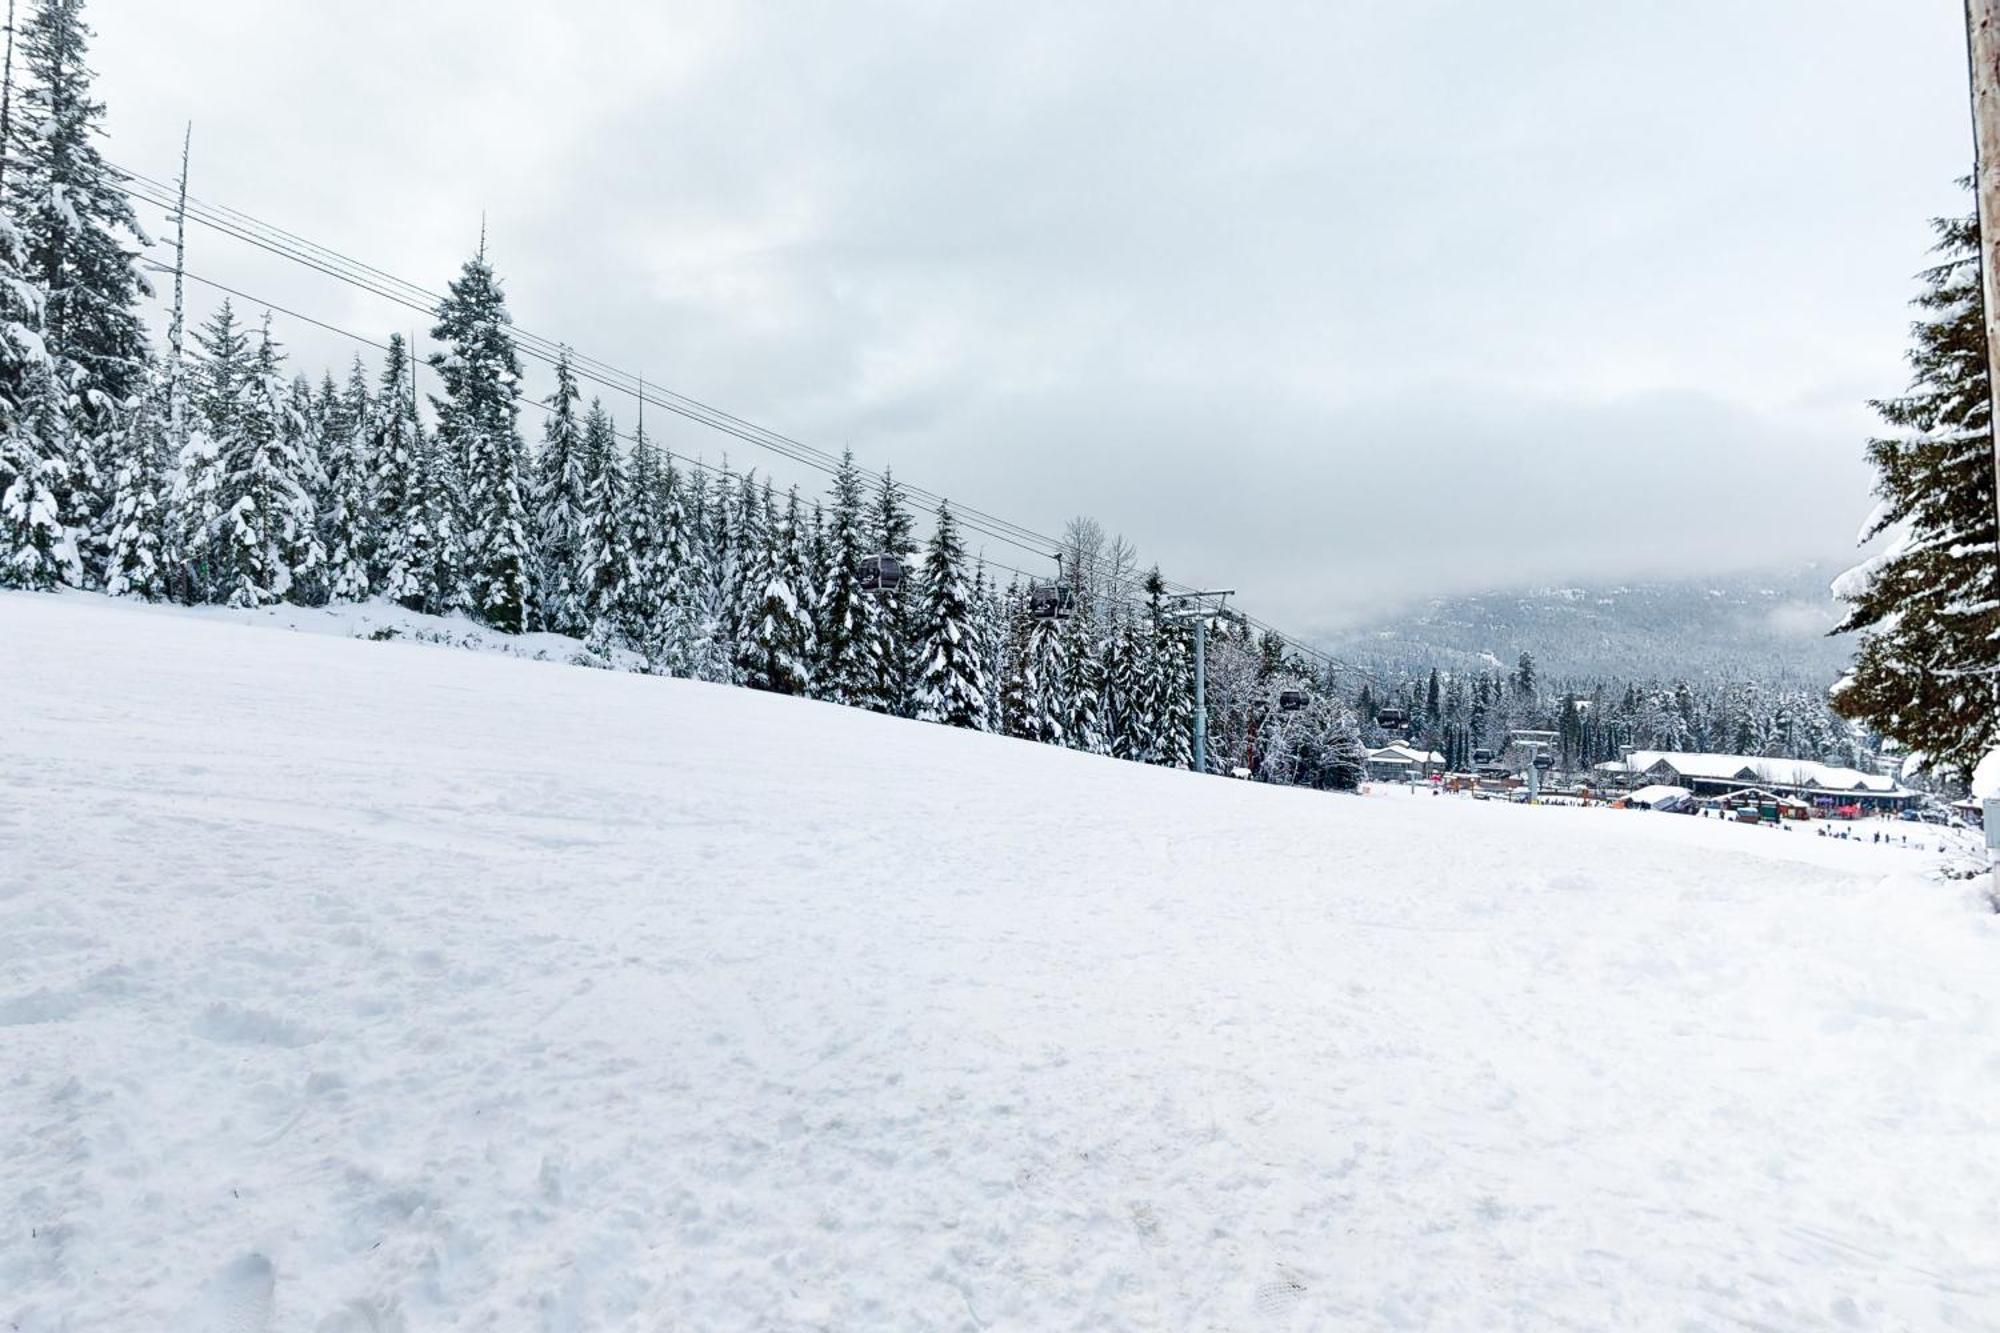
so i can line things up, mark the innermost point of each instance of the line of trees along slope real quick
(243, 483)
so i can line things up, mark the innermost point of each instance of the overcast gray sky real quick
(1342, 303)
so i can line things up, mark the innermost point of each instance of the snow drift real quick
(352, 986)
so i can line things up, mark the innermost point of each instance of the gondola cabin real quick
(880, 573)
(1392, 719)
(1051, 601)
(1291, 701)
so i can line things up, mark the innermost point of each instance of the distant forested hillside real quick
(1768, 625)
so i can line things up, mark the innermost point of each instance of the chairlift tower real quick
(1194, 606)
(1538, 744)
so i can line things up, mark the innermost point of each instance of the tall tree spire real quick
(476, 429)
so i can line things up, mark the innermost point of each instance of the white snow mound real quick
(350, 986)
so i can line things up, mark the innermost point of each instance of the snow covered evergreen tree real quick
(37, 549)
(1045, 702)
(605, 573)
(349, 529)
(1083, 684)
(428, 571)
(994, 622)
(1173, 665)
(1130, 726)
(781, 646)
(707, 528)
(1928, 607)
(756, 556)
(727, 562)
(305, 446)
(414, 495)
(267, 516)
(559, 507)
(951, 681)
(476, 433)
(843, 672)
(391, 416)
(81, 242)
(136, 564)
(892, 623)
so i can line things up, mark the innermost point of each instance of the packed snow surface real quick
(351, 985)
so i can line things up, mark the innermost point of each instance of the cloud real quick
(1339, 304)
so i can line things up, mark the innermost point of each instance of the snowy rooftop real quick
(1398, 753)
(1753, 768)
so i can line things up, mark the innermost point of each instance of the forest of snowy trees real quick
(1596, 719)
(228, 477)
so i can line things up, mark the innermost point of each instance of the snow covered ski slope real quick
(352, 986)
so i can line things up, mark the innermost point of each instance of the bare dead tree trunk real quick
(7, 98)
(175, 388)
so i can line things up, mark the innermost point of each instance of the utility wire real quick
(378, 282)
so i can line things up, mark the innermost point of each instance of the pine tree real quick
(304, 446)
(757, 554)
(414, 501)
(432, 556)
(476, 435)
(136, 565)
(1173, 665)
(559, 507)
(391, 416)
(37, 549)
(645, 518)
(708, 528)
(892, 621)
(1083, 687)
(1045, 698)
(726, 566)
(1927, 673)
(605, 573)
(1013, 712)
(1129, 727)
(993, 616)
(81, 242)
(349, 530)
(843, 671)
(951, 683)
(266, 515)
(781, 647)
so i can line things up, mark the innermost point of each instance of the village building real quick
(1821, 786)
(1399, 762)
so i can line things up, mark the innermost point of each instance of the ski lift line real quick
(540, 406)
(973, 519)
(357, 273)
(420, 300)
(369, 278)
(192, 276)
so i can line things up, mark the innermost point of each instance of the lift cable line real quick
(289, 245)
(629, 437)
(378, 282)
(645, 392)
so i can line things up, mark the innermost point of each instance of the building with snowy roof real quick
(1823, 785)
(1396, 762)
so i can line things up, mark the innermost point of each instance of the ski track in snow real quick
(350, 986)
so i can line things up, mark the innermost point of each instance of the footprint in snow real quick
(1276, 1299)
(238, 1299)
